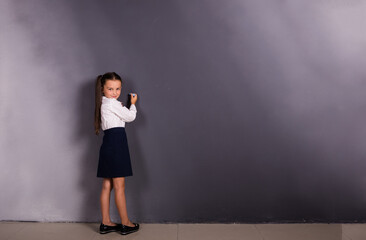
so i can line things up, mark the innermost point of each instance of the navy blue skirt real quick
(114, 156)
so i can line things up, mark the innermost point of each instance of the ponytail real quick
(98, 104)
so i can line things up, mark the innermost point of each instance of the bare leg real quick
(120, 198)
(105, 196)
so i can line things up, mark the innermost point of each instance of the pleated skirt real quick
(114, 155)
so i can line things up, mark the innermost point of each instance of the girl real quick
(114, 158)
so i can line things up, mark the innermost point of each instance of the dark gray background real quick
(248, 111)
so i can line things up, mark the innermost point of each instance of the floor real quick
(80, 231)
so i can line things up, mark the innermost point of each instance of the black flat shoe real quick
(103, 229)
(124, 230)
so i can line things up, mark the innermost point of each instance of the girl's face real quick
(112, 89)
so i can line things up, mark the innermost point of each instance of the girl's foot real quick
(127, 230)
(128, 224)
(103, 229)
(109, 224)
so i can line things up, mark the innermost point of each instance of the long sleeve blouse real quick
(113, 114)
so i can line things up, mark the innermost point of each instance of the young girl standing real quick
(114, 158)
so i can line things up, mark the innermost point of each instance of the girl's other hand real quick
(133, 98)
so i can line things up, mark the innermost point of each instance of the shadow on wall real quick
(89, 184)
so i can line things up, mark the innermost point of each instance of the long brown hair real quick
(101, 79)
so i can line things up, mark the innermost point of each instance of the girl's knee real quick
(107, 184)
(119, 184)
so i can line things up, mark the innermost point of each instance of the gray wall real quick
(249, 111)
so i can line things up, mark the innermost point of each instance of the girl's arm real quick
(125, 114)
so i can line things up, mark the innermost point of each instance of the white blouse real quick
(113, 114)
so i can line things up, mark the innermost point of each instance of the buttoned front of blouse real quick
(113, 114)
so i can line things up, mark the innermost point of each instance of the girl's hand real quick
(133, 98)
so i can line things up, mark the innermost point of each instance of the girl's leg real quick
(105, 196)
(120, 198)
